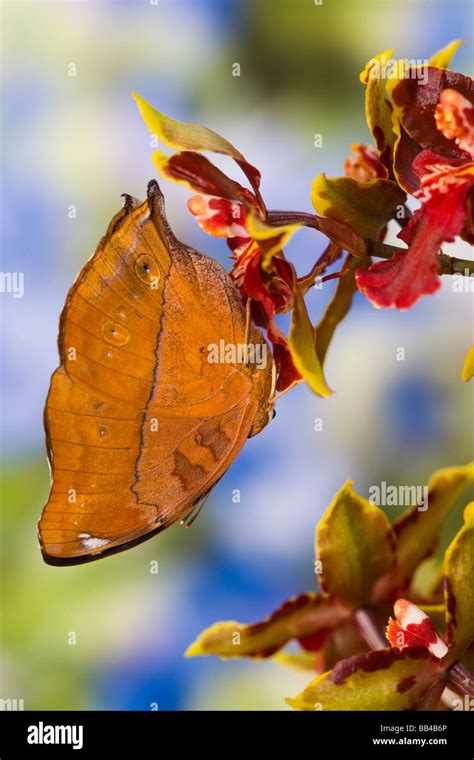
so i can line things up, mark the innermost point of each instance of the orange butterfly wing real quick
(140, 424)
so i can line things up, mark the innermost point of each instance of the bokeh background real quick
(78, 140)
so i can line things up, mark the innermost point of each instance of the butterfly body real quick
(140, 423)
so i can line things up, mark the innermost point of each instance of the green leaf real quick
(364, 207)
(355, 545)
(377, 110)
(442, 58)
(386, 679)
(301, 344)
(459, 587)
(418, 532)
(299, 617)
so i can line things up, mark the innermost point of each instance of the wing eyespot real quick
(104, 431)
(147, 270)
(114, 333)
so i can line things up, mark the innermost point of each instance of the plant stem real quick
(369, 629)
(347, 238)
(461, 678)
(431, 697)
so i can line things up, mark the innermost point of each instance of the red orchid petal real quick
(315, 641)
(219, 217)
(238, 245)
(403, 279)
(256, 288)
(243, 250)
(282, 296)
(413, 627)
(272, 302)
(204, 177)
(454, 116)
(279, 284)
(431, 168)
(285, 273)
(398, 637)
(365, 164)
(417, 101)
(275, 335)
(405, 154)
(288, 375)
(426, 162)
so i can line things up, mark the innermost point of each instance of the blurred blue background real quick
(78, 141)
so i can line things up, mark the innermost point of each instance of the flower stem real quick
(461, 678)
(430, 699)
(369, 629)
(357, 246)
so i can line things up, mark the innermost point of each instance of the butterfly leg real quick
(248, 323)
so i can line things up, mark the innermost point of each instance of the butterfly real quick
(140, 422)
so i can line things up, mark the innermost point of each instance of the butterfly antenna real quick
(195, 512)
(189, 519)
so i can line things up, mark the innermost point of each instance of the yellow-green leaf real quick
(364, 207)
(386, 679)
(442, 58)
(180, 134)
(355, 546)
(301, 344)
(299, 617)
(194, 137)
(299, 660)
(468, 368)
(271, 239)
(337, 307)
(418, 531)
(459, 587)
(374, 68)
(377, 110)
(427, 579)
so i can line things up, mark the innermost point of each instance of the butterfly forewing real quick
(139, 423)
